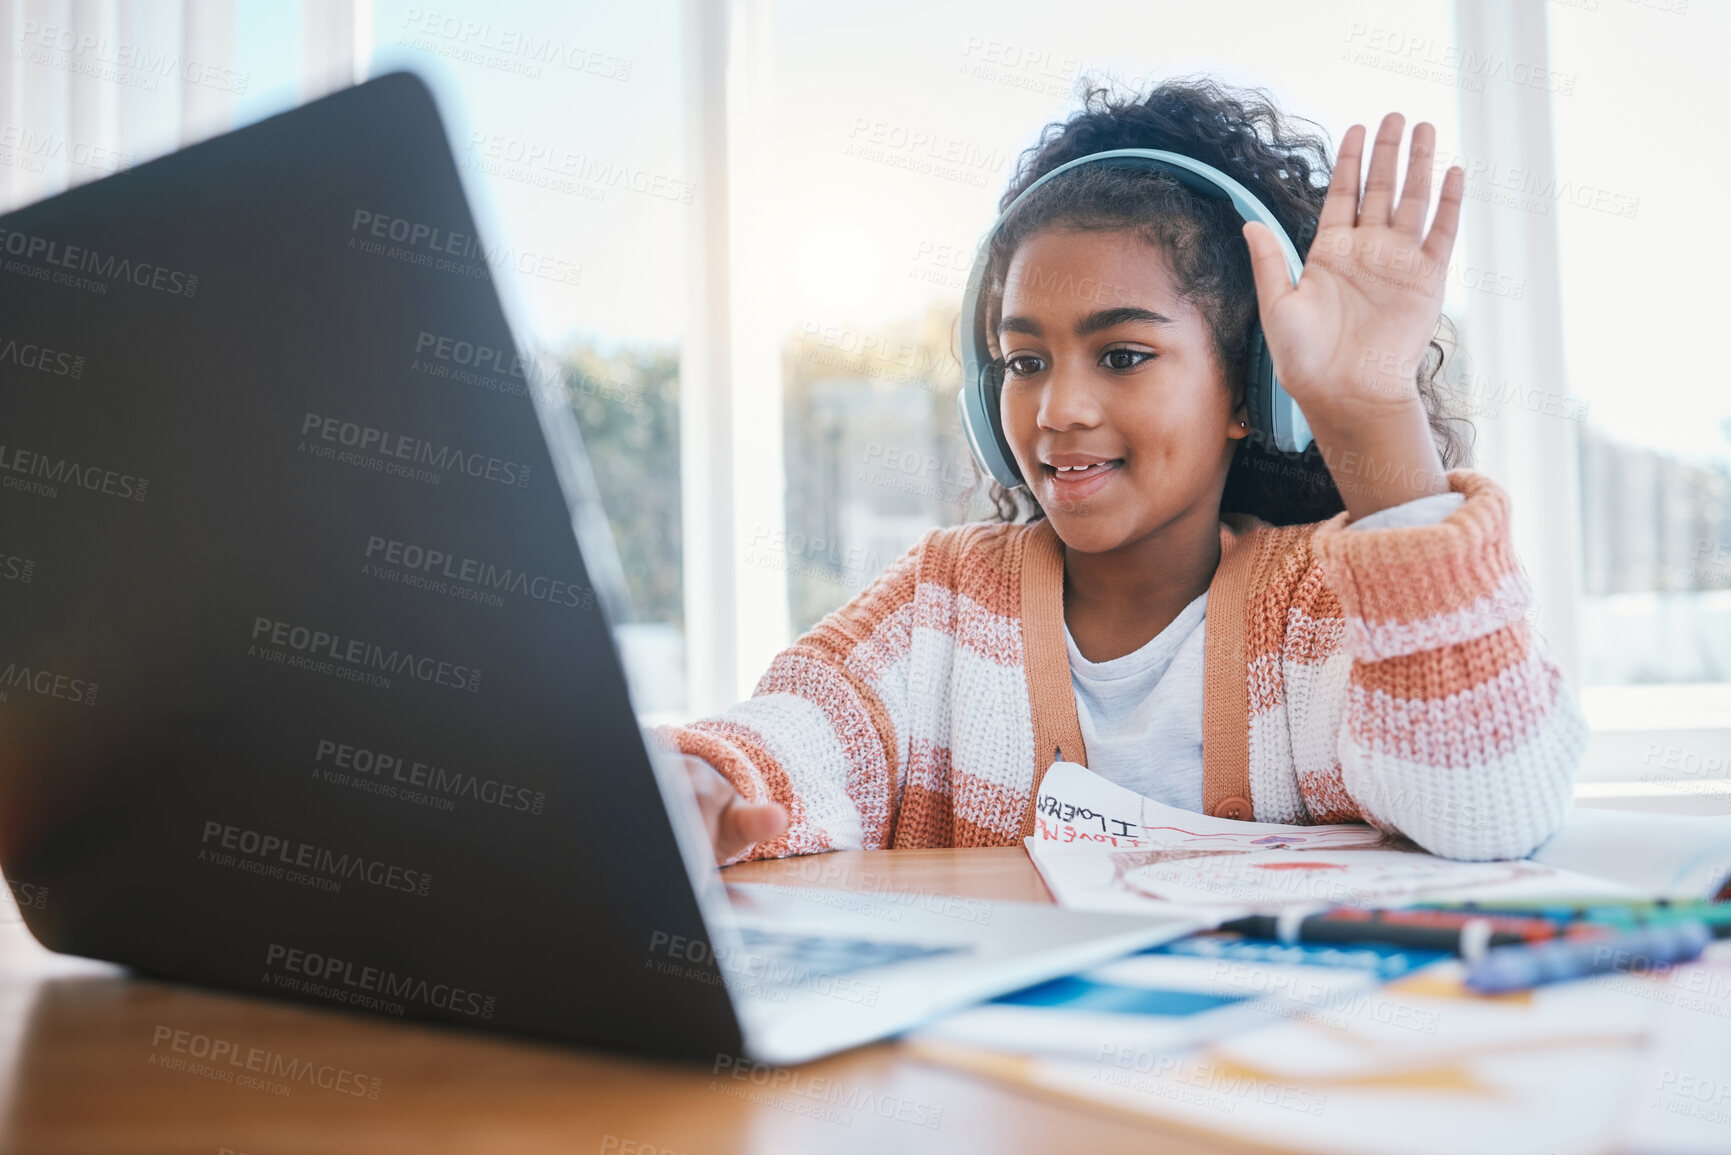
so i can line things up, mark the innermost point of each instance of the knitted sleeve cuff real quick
(719, 753)
(1409, 589)
(1418, 511)
(751, 781)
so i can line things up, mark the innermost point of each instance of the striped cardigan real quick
(1387, 675)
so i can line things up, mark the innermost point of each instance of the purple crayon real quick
(1516, 968)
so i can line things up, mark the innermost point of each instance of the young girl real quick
(1330, 636)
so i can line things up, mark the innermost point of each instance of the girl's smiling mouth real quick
(1073, 476)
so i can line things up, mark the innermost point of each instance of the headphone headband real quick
(1272, 411)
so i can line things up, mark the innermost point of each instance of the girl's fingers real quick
(757, 821)
(1415, 197)
(1340, 207)
(1379, 181)
(742, 823)
(1268, 266)
(1441, 241)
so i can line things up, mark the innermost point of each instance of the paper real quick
(1681, 1102)
(1420, 1066)
(1102, 847)
(1076, 806)
(1674, 855)
(1179, 995)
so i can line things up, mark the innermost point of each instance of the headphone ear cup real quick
(992, 386)
(977, 406)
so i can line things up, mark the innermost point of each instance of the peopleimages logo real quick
(47, 683)
(433, 247)
(417, 234)
(22, 146)
(553, 162)
(244, 1066)
(101, 57)
(487, 360)
(105, 269)
(366, 986)
(402, 448)
(413, 564)
(42, 473)
(339, 758)
(28, 894)
(29, 355)
(359, 656)
(475, 40)
(276, 851)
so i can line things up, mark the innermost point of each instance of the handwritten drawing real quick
(1377, 871)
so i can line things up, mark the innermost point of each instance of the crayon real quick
(1518, 968)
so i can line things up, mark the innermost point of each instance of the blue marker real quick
(1516, 968)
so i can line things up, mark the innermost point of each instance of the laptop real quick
(308, 687)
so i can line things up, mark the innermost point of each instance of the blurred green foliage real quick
(627, 405)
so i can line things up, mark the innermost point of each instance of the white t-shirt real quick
(1141, 714)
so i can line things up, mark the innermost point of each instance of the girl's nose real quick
(1068, 401)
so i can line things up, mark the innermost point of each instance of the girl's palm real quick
(1349, 337)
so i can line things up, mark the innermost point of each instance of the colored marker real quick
(1519, 968)
(1611, 912)
(1465, 933)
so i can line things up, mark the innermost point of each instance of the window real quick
(1641, 305)
(569, 127)
(569, 124)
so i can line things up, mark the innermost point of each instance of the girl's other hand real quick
(1349, 338)
(732, 822)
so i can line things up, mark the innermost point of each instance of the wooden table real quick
(82, 1048)
(78, 1040)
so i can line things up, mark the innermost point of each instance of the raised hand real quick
(1348, 339)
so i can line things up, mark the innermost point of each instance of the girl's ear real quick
(1239, 427)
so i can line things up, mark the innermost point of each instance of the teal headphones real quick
(1271, 410)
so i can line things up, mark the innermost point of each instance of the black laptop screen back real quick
(303, 686)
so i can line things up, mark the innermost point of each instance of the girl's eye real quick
(1123, 360)
(1025, 365)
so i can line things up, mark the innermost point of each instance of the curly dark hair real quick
(1285, 162)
